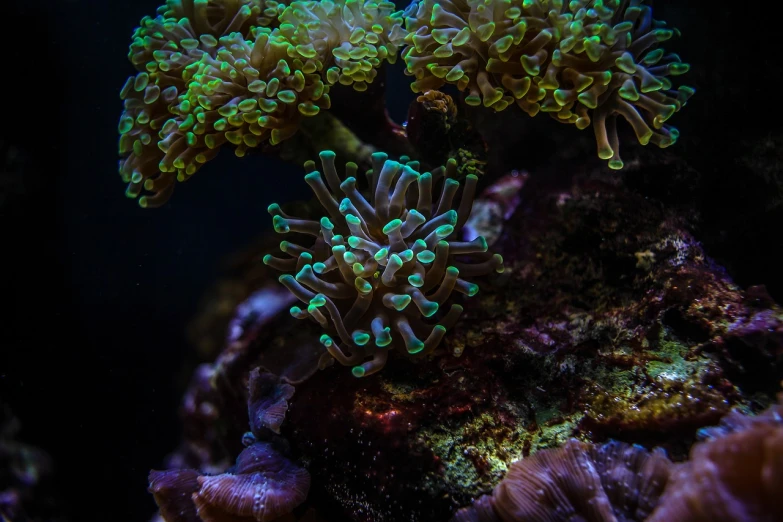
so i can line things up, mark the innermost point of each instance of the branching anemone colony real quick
(382, 270)
(244, 72)
(373, 261)
(569, 59)
(241, 72)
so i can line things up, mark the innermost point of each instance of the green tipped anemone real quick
(242, 74)
(382, 271)
(585, 62)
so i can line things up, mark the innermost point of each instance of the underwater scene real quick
(440, 261)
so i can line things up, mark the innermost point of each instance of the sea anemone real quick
(181, 34)
(382, 271)
(583, 62)
(224, 72)
(736, 474)
(352, 38)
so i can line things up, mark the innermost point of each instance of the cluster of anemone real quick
(353, 38)
(242, 72)
(383, 269)
(582, 61)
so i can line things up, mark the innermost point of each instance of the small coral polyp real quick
(382, 271)
(569, 59)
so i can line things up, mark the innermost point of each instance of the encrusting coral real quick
(584, 62)
(373, 258)
(215, 72)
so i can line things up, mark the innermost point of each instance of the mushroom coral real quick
(736, 474)
(261, 487)
(578, 481)
(215, 72)
(584, 62)
(382, 270)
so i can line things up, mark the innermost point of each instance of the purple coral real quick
(373, 258)
(263, 486)
(267, 402)
(736, 475)
(578, 481)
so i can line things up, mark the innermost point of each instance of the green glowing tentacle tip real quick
(392, 226)
(327, 154)
(416, 280)
(318, 300)
(267, 258)
(280, 225)
(358, 371)
(444, 231)
(400, 302)
(295, 310)
(362, 286)
(326, 223)
(500, 268)
(473, 289)
(426, 257)
(326, 340)
(303, 273)
(360, 338)
(415, 347)
(319, 268)
(429, 309)
(384, 339)
(381, 254)
(616, 164)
